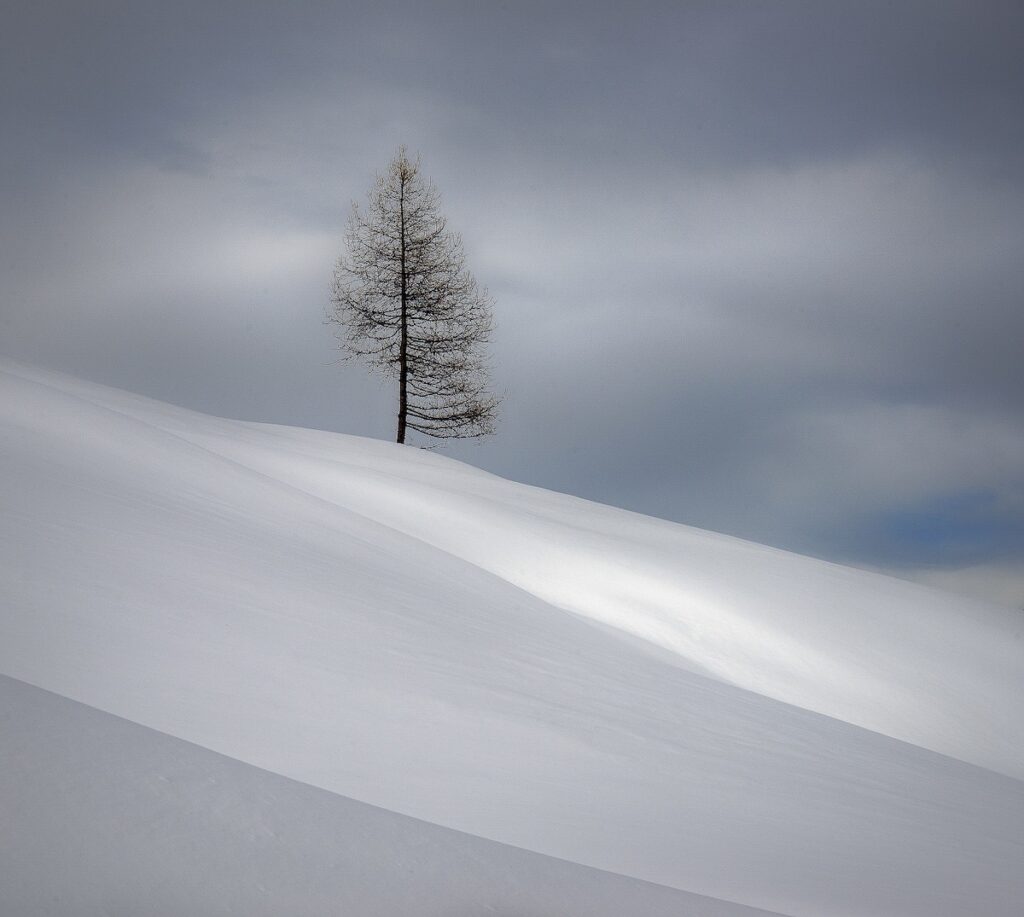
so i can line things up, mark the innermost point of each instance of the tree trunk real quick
(403, 352)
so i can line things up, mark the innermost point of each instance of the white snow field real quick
(103, 816)
(380, 623)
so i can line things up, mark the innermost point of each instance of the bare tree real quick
(406, 303)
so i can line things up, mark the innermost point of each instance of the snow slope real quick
(259, 842)
(613, 690)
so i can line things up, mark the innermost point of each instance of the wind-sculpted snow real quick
(914, 664)
(88, 799)
(579, 681)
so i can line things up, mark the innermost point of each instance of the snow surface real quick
(257, 842)
(613, 690)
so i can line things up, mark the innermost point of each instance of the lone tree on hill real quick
(406, 303)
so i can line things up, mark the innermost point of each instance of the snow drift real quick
(620, 692)
(88, 800)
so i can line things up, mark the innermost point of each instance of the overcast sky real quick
(757, 266)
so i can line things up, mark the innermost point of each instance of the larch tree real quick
(405, 302)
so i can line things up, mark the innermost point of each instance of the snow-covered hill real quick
(387, 625)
